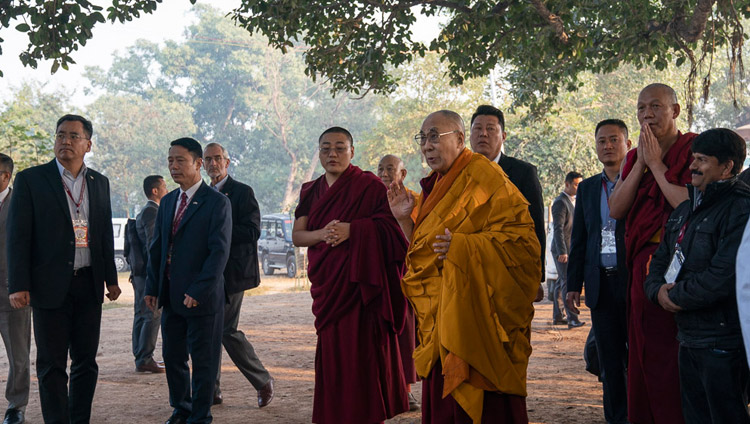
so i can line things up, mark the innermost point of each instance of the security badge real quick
(674, 265)
(609, 245)
(81, 232)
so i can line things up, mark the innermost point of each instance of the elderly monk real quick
(652, 183)
(472, 273)
(356, 255)
(391, 169)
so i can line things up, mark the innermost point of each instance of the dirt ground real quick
(278, 321)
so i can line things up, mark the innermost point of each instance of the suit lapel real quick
(55, 181)
(228, 186)
(193, 205)
(4, 208)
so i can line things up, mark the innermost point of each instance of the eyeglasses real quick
(325, 151)
(432, 137)
(71, 137)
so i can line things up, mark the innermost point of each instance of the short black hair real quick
(489, 110)
(6, 163)
(150, 183)
(78, 118)
(615, 122)
(191, 145)
(723, 144)
(338, 130)
(572, 175)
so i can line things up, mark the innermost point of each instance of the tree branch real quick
(692, 30)
(553, 20)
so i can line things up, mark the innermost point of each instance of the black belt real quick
(82, 271)
(609, 271)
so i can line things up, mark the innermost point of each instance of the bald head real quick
(658, 109)
(391, 168)
(664, 89)
(452, 117)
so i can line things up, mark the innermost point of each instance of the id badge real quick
(674, 266)
(81, 232)
(608, 242)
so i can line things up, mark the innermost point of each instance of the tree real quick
(358, 44)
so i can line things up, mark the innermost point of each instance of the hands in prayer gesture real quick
(649, 150)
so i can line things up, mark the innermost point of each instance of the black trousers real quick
(713, 385)
(197, 338)
(609, 323)
(74, 327)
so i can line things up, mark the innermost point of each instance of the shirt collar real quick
(4, 194)
(499, 155)
(606, 178)
(191, 191)
(65, 173)
(221, 183)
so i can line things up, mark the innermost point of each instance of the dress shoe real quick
(575, 324)
(13, 416)
(265, 394)
(176, 419)
(559, 322)
(218, 399)
(150, 367)
(159, 363)
(413, 404)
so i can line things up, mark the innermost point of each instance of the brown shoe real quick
(218, 398)
(151, 367)
(265, 394)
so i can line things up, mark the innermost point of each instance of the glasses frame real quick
(432, 138)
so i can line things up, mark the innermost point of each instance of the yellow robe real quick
(477, 303)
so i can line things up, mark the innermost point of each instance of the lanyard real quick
(606, 189)
(70, 195)
(682, 232)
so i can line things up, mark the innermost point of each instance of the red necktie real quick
(180, 213)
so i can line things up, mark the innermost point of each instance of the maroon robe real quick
(653, 375)
(357, 301)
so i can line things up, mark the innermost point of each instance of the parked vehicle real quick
(275, 248)
(118, 229)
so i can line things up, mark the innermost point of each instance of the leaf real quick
(23, 27)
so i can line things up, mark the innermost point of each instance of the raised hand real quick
(400, 201)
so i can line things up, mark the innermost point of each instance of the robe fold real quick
(357, 302)
(653, 375)
(475, 307)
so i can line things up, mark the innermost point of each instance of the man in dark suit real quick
(241, 272)
(15, 324)
(562, 225)
(597, 259)
(60, 256)
(187, 257)
(487, 138)
(145, 321)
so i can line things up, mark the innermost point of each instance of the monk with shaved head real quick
(652, 183)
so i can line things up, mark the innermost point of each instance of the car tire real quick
(291, 266)
(120, 264)
(267, 270)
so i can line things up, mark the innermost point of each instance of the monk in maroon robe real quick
(651, 185)
(356, 255)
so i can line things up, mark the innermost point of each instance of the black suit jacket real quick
(586, 240)
(241, 272)
(562, 220)
(524, 176)
(200, 249)
(41, 244)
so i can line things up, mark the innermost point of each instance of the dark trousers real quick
(145, 325)
(73, 327)
(559, 292)
(609, 323)
(197, 338)
(239, 348)
(712, 385)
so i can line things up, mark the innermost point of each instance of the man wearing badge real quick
(60, 257)
(692, 274)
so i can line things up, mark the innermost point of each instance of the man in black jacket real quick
(487, 138)
(61, 255)
(692, 274)
(241, 272)
(145, 321)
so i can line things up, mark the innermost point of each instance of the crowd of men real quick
(437, 285)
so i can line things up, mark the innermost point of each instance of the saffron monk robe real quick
(472, 274)
(651, 185)
(356, 255)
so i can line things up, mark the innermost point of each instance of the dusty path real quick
(278, 322)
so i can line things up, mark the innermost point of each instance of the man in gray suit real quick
(562, 221)
(145, 321)
(15, 324)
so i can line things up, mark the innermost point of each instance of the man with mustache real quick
(652, 183)
(241, 272)
(692, 274)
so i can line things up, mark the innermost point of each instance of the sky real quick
(166, 23)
